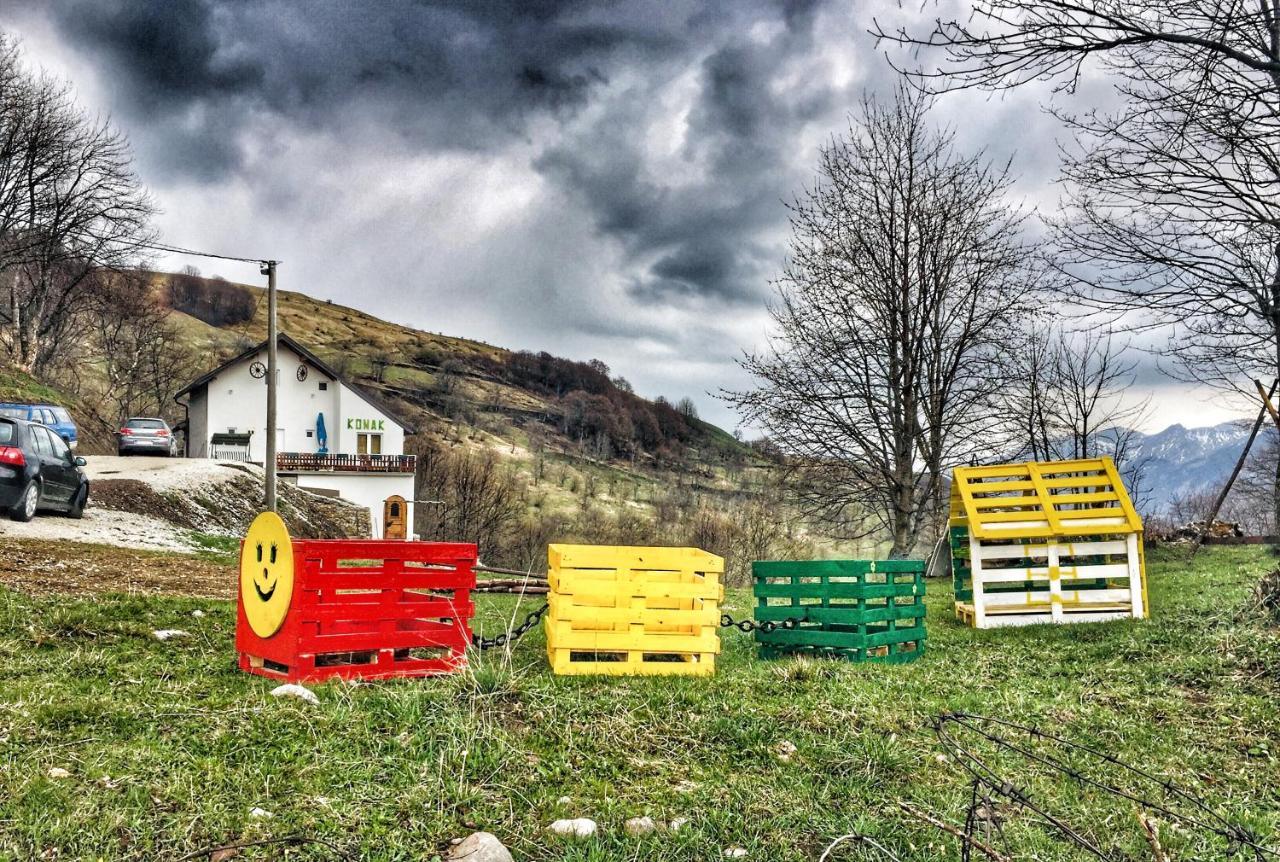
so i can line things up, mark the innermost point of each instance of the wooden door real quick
(395, 518)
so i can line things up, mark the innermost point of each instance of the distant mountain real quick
(1180, 460)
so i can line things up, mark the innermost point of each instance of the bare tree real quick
(479, 501)
(1173, 213)
(906, 271)
(1070, 399)
(70, 203)
(140, 352)
(1250, 500)
(687, 409)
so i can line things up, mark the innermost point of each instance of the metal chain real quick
(511, 635)
(728, 622)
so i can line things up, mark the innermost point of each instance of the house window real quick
(368, 444)
(323, 386)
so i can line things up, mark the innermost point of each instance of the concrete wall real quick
(198, 427)
(366, 489)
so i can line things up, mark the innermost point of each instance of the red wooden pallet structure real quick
(368, 609)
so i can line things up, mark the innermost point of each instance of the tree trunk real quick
(1275, 492)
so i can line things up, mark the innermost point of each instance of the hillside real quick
(586, 458)
(443, 379)
(19, 386)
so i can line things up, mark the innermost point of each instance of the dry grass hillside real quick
(640, 474)
(405, 365)
(519, 449)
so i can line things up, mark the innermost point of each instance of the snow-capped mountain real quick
(1180, 460)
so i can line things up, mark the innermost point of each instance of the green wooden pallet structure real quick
(859, 610)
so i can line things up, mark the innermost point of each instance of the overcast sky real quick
(595, 180)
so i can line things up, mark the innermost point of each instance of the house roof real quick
(1042, 499)
(311, 359)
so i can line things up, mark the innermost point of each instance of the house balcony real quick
(311, 462)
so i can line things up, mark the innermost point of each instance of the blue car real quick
(48, 415)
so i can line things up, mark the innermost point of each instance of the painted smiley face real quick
(266, 574)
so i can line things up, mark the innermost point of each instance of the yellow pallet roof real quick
(1042, 499)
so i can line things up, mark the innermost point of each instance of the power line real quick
(169, 248)
(173, 249)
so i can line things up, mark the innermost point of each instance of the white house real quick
(332, 437)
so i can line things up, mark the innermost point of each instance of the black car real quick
(38, 471)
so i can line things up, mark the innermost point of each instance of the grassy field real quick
(168, 748)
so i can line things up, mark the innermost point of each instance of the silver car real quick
(146, 436)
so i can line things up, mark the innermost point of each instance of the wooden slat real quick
(1005, 502)
(1037, 550)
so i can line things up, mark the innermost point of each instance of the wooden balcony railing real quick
(310, 462)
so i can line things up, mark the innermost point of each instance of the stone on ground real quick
(292, 690)
(578, 827)
(480, 847)
(640, 826)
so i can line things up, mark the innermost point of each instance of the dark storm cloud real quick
(202, 83)
(706, 237)
(587, 177)
(451, 75)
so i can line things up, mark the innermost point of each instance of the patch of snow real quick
(104, 527)
(167, 474)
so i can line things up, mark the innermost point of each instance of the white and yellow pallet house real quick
(1045, 541)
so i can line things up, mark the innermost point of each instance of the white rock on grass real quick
(58, 772)
(578, 827)
(290, 689)
(784, 751)
(640, 826)
(678, 823)
(736, 852)
(260, 813)
(563, 800)
(197, 613)
(480, 847)
(168, 634)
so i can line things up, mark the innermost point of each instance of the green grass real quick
(218, 549)
(22, 387)
(169, 747)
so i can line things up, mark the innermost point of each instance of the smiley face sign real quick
(266, 574)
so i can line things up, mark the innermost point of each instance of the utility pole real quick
(269, 270)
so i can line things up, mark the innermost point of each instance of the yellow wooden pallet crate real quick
(633, 610)
(1045, 541)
